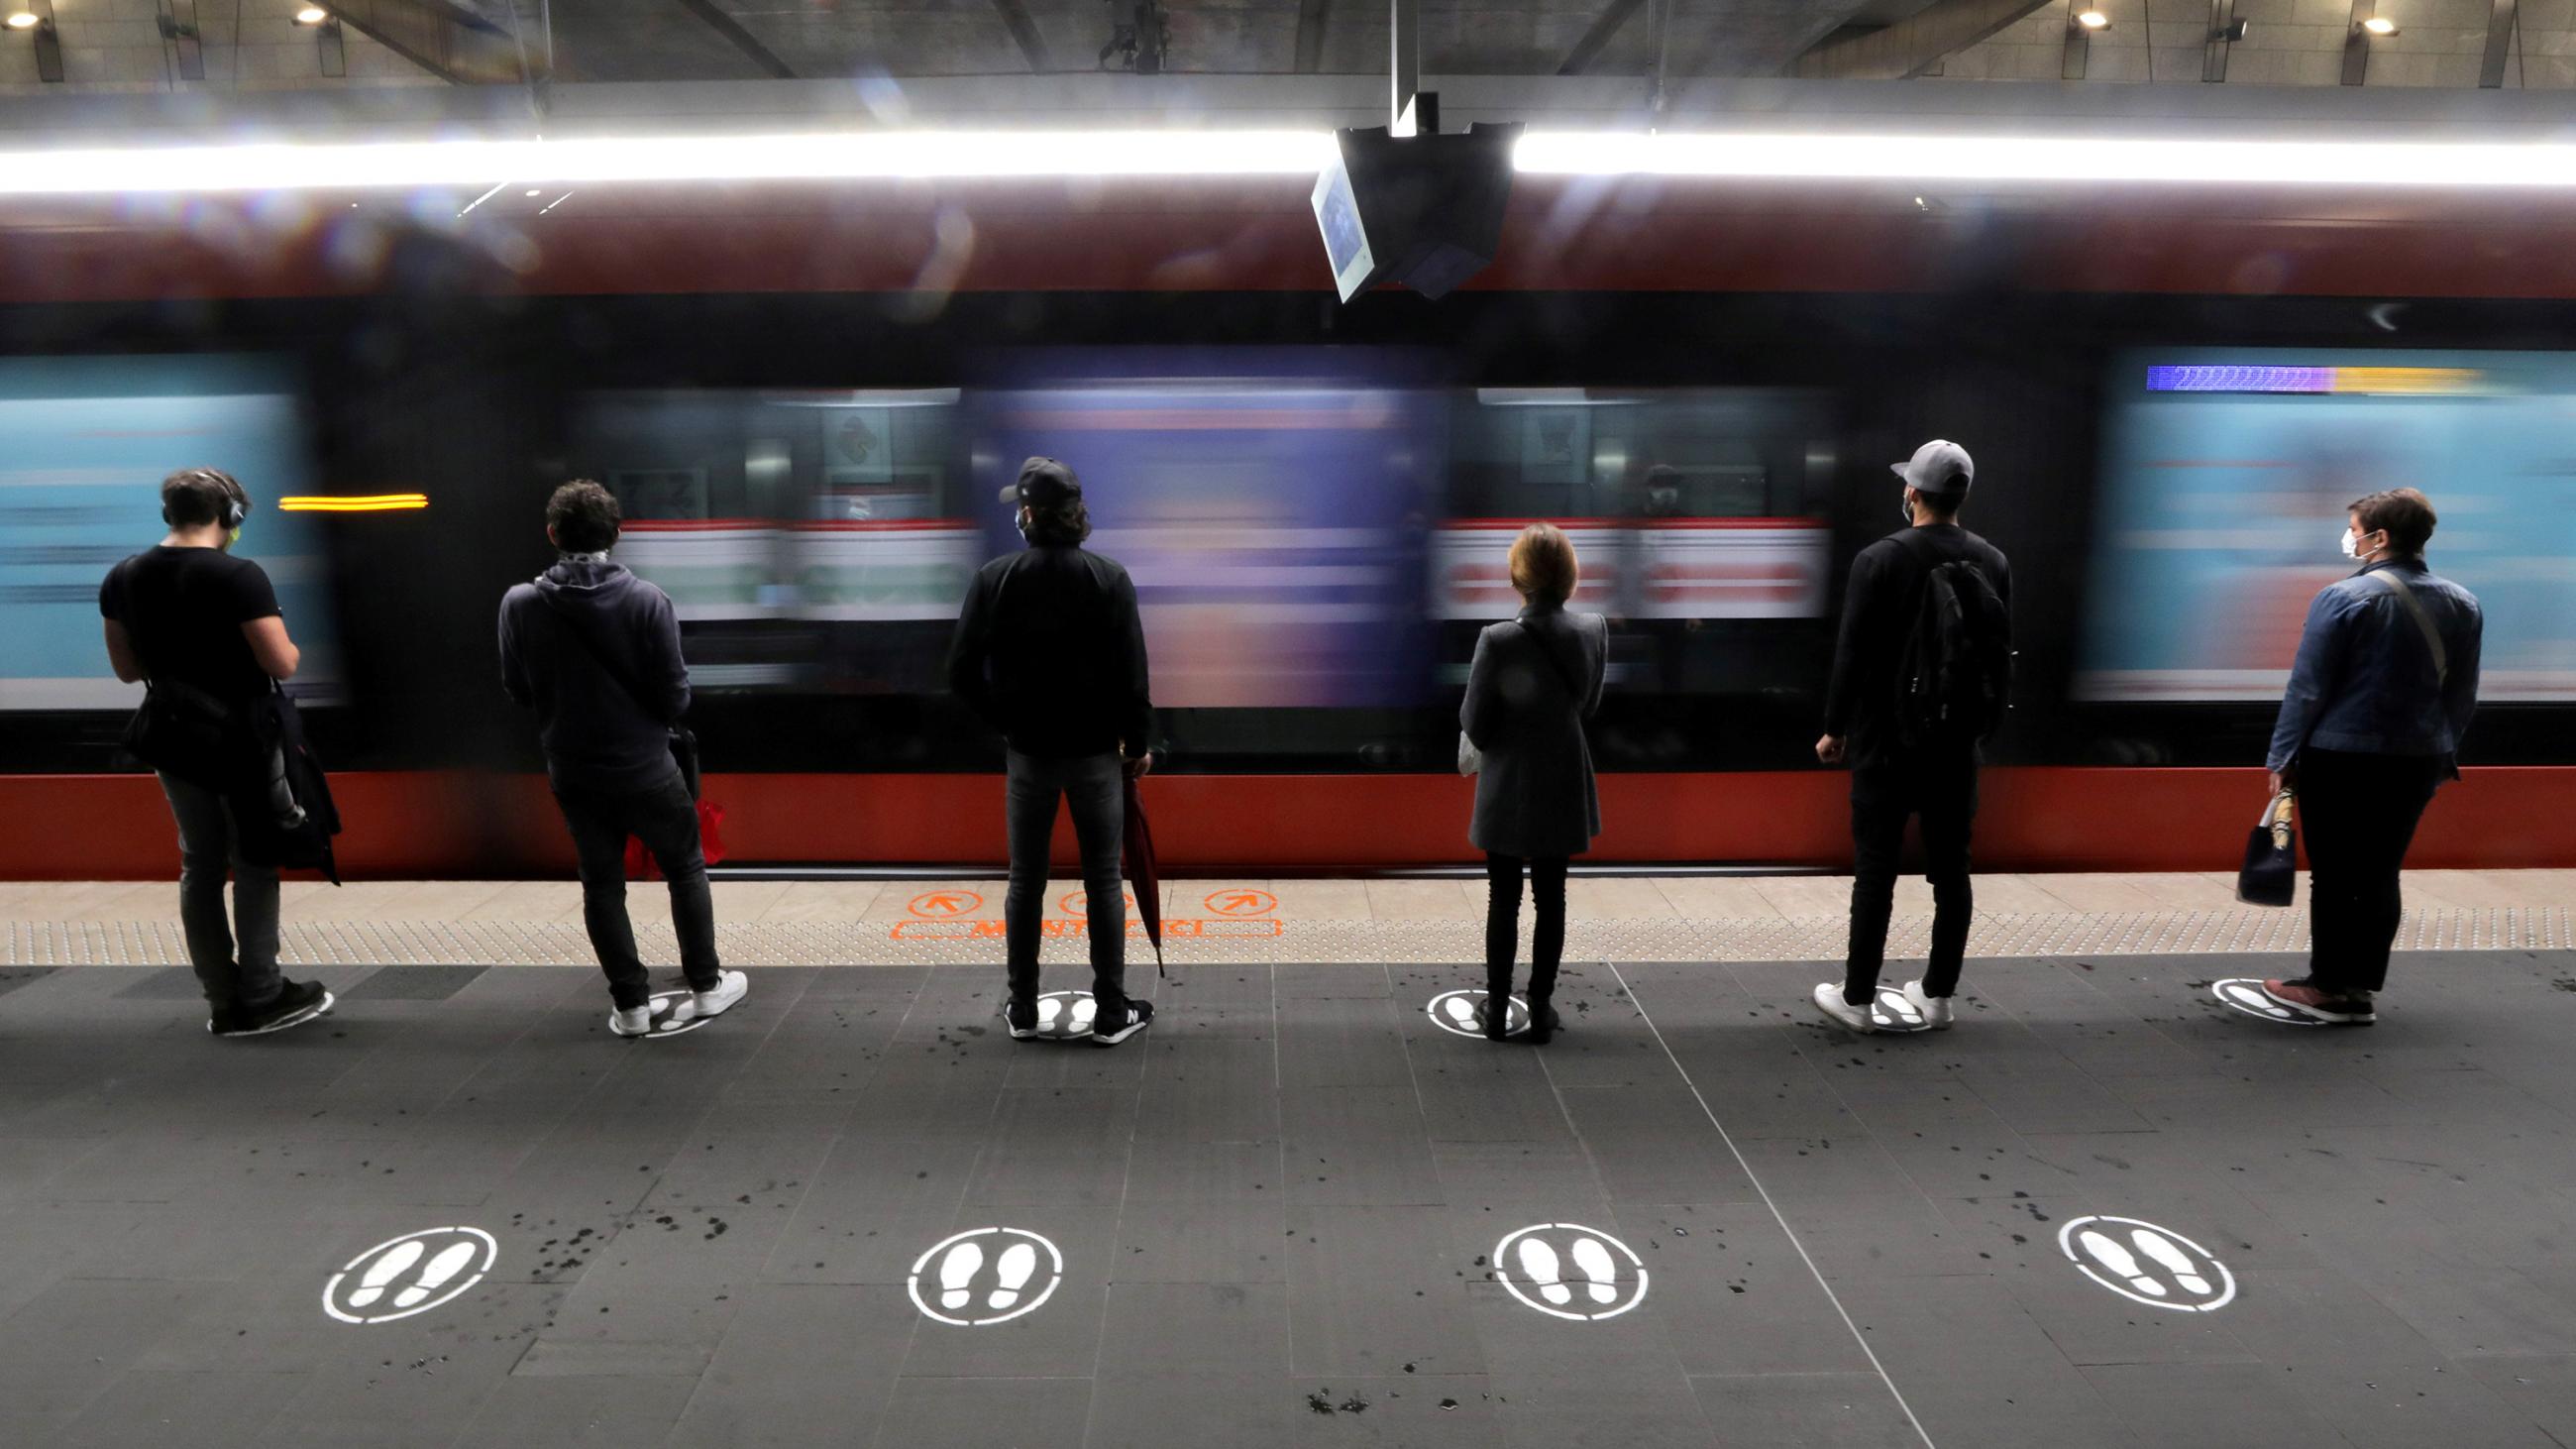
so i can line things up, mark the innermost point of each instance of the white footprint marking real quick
(1593, 1261)
(1018, 1262)
(1048, 1007)
(1461, 1010)
(384, 1270)
(956, 1271)
(2118, 1259)
(434, 1277)
(2161, 1248)
(1539, 1264)
(1901, 1009)
(1084, 1011)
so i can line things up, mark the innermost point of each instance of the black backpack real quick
(1954, 673)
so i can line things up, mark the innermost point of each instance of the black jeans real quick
(666, 820)
(208, 844)
(1944, 794)
(1096, 784)
(2359, 813)
(1503, 922)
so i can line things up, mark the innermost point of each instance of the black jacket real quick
(1050, 652)
(1878, 615)
(597, 734)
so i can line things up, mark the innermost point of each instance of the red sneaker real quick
(2350, 1008)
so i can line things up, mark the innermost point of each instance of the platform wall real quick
(450, 825)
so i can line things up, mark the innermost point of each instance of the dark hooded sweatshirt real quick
(598, 736)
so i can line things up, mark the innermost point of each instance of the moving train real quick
(806, 407)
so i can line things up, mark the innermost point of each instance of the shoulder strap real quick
(2423, 620)
(580, 632)
(1564, 676)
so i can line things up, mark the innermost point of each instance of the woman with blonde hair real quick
(1535, 679)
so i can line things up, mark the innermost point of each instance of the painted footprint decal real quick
(2147, 1264)
(1607, 1279)
(985, 1276)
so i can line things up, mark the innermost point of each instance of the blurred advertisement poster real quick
(84, 445)
(2225, 478)
(1270, 506)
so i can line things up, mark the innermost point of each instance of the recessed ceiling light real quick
(536, 191)
(20, 20)
(2093, 20)
(2380, 25)
(311, 15)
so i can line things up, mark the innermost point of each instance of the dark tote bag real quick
(2270, 875)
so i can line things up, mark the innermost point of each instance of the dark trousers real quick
(666, 820)
(1096, 784)
(1944, 794)
(2359, 814)
(208, 845)
(1503, 922)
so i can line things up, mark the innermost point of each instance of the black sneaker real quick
(1110, 1030)
(1022, 1017)
(299, 1003)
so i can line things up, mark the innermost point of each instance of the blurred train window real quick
(2225, 474)
(1685, 504)
(84, 445)
(813, 541)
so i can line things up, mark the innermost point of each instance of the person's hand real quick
(1141, 766)
(1829, 749)
(2281, 780)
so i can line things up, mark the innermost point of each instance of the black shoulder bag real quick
(684, 745)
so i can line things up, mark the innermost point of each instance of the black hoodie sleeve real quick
(1862, 638)
(1136, 709)
(665, 672)
(514, 670)
(969, 652)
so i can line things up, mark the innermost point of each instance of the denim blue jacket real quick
(2364, 678)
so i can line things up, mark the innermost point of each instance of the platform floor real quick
(1625, 918)
(2105, 1210)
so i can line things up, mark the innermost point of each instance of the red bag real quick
(639, 861)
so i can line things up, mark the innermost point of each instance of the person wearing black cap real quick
(1051, 653)
(1920, 675)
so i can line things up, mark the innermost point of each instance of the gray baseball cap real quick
(1939, 466)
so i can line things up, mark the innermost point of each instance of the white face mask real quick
(2349, 547)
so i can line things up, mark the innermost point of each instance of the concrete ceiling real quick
(668, 40)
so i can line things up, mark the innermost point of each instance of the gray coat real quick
(1534, 682)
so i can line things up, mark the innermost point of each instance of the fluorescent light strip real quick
(858, 155)
(2059, 159)
(867, 155)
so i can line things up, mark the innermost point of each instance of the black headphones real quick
(236, 497)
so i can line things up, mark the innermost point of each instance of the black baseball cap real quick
(1043, 483)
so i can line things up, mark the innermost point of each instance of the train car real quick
(806, 401)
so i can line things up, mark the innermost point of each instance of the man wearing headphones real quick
(204, 627)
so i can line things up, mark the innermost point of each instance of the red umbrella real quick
(1136, 856)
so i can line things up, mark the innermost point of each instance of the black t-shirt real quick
(184, 608)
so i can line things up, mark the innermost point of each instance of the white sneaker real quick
(1935, 1009)
(632, 1020)
(731, 986)
(1829, 1000)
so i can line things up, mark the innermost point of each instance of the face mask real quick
(1905, 507)
(2350, 549)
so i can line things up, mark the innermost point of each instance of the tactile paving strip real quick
(1814, 938)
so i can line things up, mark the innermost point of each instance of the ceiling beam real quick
(448, 41)
(1599, 34)
(2500, 23)
(743, 40)
(1312, 16)
(1913, 45)
(1023, 30)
